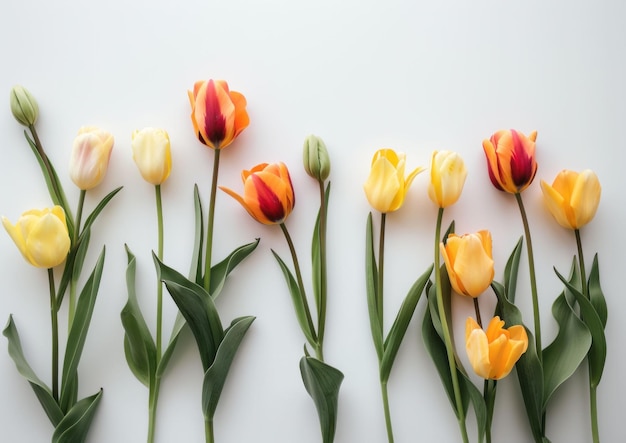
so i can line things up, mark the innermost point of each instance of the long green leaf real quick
(371, 284)
(596, 296)
(196, 269)
(510, 270)
(139, 347)
(468, 390)
(322, 382)
(220, 271)
(42, 391)
(76, 423)
(215, 376)
(179, 324)
(319, 284)
(78, 332)
(401, 323)
(73, 265)
(98, 209)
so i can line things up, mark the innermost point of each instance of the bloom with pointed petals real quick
(267, 193)
(90, 157)
(511, 160)
(447, 177)
(218, 114)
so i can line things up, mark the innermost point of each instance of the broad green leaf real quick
(468, 390)
(196, 270)
(510, 270)
(98, 209)
(401, 323)
(220, 271)
(319, 273)
(322, 382)
(139, 346)
(196, 305)
(299, 303)
(78, 332)
(75, 425)
(596, 296)
(371, 284)
(179, 324)
(42, 391)
(215, 376)
(73, 266)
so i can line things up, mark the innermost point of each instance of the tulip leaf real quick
(78, 333)
(196, 305)
(510, 270)
(596, 296)
(299, 302)
(401, 323)
(196, 271)
(139, 346)
(42, 391)
(322, 382)
(179, 324)
(319, 272)
(371, 283)
(220, 271)
(75, 425)
(73, 266)
(215, 376)
(98, 209)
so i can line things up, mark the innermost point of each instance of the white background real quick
(414, 76)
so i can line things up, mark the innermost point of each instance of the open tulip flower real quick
(494, 352)
(511, 160)
(218, 114)
(386, 186)
(573, 197)
(90, 157)
(447, 177)
(268, 193)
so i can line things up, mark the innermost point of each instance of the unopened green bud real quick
(24, 106)
(316, 160)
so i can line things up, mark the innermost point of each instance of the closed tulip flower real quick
(268, 193)
(23, 106)
(90, 157)
(218, 114)
(41, 236)
(469, 262)
(151, 153)
(494, 352)
(387, 186)
(573, 197)
(511, 160)
(447, 177)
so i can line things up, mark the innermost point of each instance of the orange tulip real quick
(268, 193)
(511, 160)
(218, 115)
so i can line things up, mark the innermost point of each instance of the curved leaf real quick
(596, 296)
(220, 271)
(98, 209)
(510, 270)
(179, 324)
(371, 284)
(75, 425)
(318, 278)
(195, 272)
(322, 382)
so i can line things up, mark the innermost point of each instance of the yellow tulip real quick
(447, 177)
(151, 153)
(386, 186)
(90, 157)
(573, 197)
(469, 262)
(493, 353)
(41, 236)
(511, 160)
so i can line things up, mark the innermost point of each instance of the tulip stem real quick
(477, 310)
(55, 336)
(533, 281)
(209, 231)
(208, 430)
(74, 279)
(489, 394)
(381, 267)
(460, 411)
(321, 308)
(383, 388)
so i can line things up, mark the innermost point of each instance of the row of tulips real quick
(50, 237)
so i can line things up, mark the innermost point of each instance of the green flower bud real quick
(315, 156)
(24, 106)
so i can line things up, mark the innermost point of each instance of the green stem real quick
(581, 262)
(321, 308)
(460, 411)
(381, 269)
(55, 336)
(533, 281)
(208, 430)
(74, 279)
(595, 431)
(489, 394)
(209, 231)
(383, 388)
(305, 303)
(477, 311)
(152, 407)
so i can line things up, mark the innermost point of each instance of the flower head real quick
(151, 152)
(469, 262)
(573, 197)
(90, 157)
(218, 114)
(511, 160)
(315, 158)
(494, 352)
(386, 186)
(267, 194)
(447, 177)
(24, 107)
(41, 236)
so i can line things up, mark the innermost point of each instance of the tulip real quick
(218, 115)
(41, 236)
(90, 157)
(386, 186)
(447, 177)
(511, 160)
(151, 153)
(573, 197)
(24, 107)
(315, 158)
(469, 262)
(268, 193)
(493, 353)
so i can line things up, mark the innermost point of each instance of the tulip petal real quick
(477, 350)
(585, 197)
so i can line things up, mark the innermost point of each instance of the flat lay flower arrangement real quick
(504, 342)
